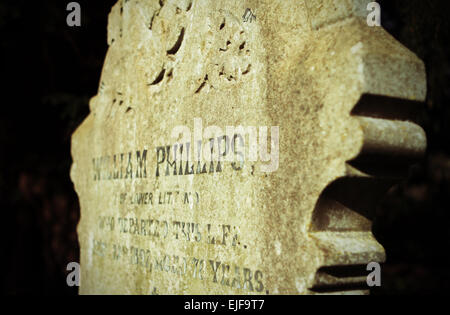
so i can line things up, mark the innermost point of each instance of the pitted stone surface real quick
(335, 88)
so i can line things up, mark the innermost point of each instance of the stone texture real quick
(338, 90)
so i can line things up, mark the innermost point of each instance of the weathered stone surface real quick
(339, 92)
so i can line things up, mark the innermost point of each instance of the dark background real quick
(50, 71)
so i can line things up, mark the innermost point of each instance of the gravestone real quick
(239, 147)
